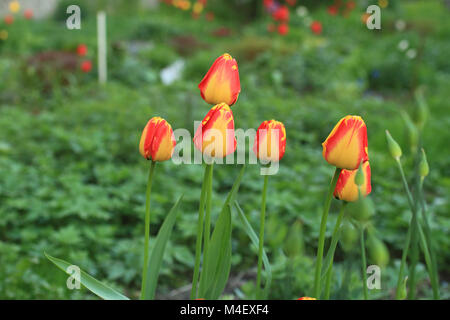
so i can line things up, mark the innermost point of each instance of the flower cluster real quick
(86, 65)
(14, 7)
(280, 14)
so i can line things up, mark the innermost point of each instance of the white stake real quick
(101, 41)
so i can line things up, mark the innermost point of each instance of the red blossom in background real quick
(86, 66)
(82, 50)
(332, 10)
(9, 19)
(316, 27)
(267, 3)
(351, 5)
(28, 14)
(281, 14)
(283, 29)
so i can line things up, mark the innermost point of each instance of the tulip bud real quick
(306, 298)
(346, 188)
(378, 252)
(424, 169)
(361, 210)
(221, 83)
(215, 136)
(394, 148)
(270, 142)
(157, 140)
(349, 235)
(346, 145)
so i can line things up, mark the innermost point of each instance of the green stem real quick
(364, 265)
(261, 236)
(413, 240)
(332, 249)
(432, 257)
(209, 173)
(147, 229)
(323, 226)
(198, 245)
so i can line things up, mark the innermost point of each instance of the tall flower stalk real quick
(345, 148)
(147, 229)
(269, 147)
(157, 144)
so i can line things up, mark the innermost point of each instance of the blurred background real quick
(72, 181)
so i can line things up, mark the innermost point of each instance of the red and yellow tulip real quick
(215, 136)
(306, 298)
(263, 147)
(346, 188)
(346, 146)
(221, 83)
(157, 140)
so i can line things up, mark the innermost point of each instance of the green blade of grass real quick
(157, 254)
(92, 284)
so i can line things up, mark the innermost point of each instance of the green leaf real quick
(156, 256)
(217, 264)
(92, 284)
(209, 285)
(255, 240)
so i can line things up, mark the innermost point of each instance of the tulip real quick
(263, 147)
(215, 136)
(269, 146)
(346, 146)
(221, 83)
(156, 144)
(346, 188)
(157, 140)
(306, 298)
(215, 139)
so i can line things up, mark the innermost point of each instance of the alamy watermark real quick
(74, 280)
(374, 277)
(214, 140)
(374, 20)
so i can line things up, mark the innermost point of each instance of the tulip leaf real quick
(217, 264)
(92, 284)
(255, 240)
(212, 286)
(157, 254)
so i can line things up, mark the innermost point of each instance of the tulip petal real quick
(346, 146)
